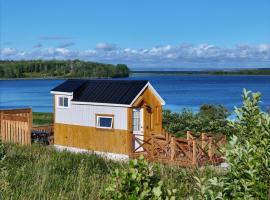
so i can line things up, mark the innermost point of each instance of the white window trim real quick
(100, 116)
(58, 97)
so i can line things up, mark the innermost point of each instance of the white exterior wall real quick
(84, 114)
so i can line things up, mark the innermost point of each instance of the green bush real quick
(249, 152)
(209, 119)
(139, 181)
(248, 156)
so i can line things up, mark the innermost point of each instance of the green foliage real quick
(41, 118)
(3, 171)
(139, 181)
(210, 119)
(249, 152)
(248, 156)
(60, 68)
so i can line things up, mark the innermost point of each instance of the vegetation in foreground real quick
(60, 69)
(40, 172)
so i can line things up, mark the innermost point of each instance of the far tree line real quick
(60, 68)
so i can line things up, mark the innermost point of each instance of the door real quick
(137, 125)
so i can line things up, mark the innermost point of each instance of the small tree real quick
(249, 152)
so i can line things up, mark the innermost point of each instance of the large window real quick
(63, 102)
(104, 121)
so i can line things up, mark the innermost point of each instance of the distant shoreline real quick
(246, 72)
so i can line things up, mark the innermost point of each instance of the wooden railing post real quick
(172, 148)
(210, 150)
(194, 152)
(204, 137)
(189, 138)
(152, 145)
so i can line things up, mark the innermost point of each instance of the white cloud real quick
(8, 51)
(106, 46)
(184, 55)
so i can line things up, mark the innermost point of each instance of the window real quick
(63, 102)
(136, 120)
(104, 121)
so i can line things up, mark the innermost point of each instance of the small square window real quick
(63, 102)
(104, 122)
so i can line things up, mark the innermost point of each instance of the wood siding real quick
(75, 126)
(153, 119)
(91, 138)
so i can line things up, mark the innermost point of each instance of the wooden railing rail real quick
(189, 151)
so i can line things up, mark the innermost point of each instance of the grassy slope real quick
(40, 118)
(42, 173)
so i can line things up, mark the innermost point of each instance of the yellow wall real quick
(91, 138)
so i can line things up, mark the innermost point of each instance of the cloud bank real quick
(182, 56)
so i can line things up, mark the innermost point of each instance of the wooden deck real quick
(189, 151)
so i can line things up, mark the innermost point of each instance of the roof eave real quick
(162, 102)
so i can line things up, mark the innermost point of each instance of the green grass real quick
(40, 118)
(39, 172)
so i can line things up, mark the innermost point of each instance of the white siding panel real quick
(84, 115)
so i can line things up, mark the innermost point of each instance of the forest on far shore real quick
(60, 69)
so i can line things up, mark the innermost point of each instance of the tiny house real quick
(106, 115)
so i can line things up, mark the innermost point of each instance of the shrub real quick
(249, 152)
(248, 156)
(210, 119)
(138, 181)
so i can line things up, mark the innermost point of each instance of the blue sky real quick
(142, 33)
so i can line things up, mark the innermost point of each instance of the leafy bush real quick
(249, 152)
(248, 156)
(210, 119)
(139, 181)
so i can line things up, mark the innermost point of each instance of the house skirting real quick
(112, 156)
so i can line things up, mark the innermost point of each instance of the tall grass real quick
(40, 172)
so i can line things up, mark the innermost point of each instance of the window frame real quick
(64, 97)
(98, 116)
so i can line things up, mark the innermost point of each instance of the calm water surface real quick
(178, 91)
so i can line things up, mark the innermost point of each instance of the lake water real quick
(179, 91)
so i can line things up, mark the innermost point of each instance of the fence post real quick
(189, 137)
(194, 152)
(172, 148)
(152, 146)
(30, 121)
(210, 150)
(2, 125)
(204, 136)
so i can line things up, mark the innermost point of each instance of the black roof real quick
(102, 91)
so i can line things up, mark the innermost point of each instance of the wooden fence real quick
(16, 125)
(189, 151)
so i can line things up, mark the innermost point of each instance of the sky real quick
(144, 34)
